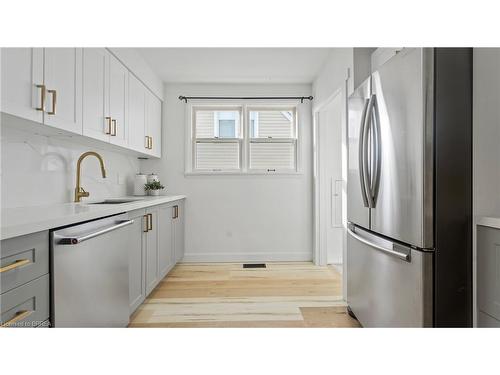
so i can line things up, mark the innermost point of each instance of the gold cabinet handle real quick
(20, 315)
(16, 264)
(42, 104)
(54, 101)
(176, 212)
(150, 143)
(108, 130)
(146, 221)
(150, 222)
(147, 142)
(113, 133)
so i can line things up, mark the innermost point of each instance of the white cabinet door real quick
(152, 276)
(153, 123)
(118, 101)
(95, 93)
(179, 231)
(166, 240)
(137, 114)
(137, 260)
(63, 80)
(22, 80)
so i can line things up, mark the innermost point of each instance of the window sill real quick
(237, 173)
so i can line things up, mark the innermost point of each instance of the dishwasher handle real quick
(100, 232)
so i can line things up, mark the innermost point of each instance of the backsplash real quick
(38, 170)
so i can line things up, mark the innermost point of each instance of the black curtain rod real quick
(302, 98)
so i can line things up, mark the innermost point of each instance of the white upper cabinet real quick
(22, 82)
(118, 101)
(105, 97)
(96, 123)
(63, 82)
(86, 91)
(153, 123)
(137, 115)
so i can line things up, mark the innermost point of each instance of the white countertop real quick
(488, 221)
(24, 220)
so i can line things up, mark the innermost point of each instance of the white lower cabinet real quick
(157, 245)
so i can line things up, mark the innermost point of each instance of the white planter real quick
(154, 192)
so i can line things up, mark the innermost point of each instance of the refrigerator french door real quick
(409, 191)
(389, 277)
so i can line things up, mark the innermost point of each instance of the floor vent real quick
(254, 265)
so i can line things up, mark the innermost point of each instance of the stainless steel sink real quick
(116, 201)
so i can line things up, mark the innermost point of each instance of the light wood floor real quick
(296, 294)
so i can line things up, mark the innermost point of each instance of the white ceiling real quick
(236, 65)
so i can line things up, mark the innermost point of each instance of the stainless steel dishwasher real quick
(90, 274)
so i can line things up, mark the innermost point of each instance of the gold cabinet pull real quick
(108, 130)
(114, 127)
(176, 212)
(146, 221)
(147, 142)
(42, 100)
(150, 143)
(20, 315)
(16, 264)
(54, 101)
(150, 222)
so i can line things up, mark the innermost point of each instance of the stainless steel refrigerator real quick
(409, 191)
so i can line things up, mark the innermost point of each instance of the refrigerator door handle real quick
(361, 153)
(398, 254)
(377, 147)
(366, 172)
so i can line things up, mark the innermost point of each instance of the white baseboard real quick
(247, 257)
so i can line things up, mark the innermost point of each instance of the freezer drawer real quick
(388, 285)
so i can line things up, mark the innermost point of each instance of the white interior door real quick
(330, 181)
(63, 80)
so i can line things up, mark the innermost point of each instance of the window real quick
(273, 141)
(243, 139)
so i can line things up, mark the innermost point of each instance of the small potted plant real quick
(153, 187)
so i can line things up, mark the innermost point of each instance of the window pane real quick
(272, 123)
(213, 124)
(227, 129)
(213, 155)
(272, 155)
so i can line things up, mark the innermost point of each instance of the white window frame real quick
(244, 135)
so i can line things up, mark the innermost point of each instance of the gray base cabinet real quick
(24, 280)
(157, 245)
(137, 260)
(488, 276)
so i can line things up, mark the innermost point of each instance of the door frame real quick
(319, 247)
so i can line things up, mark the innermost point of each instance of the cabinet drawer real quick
(27, 305)
(23, 259)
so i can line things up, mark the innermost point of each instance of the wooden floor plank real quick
(284, 294)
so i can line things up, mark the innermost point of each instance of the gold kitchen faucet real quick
(79, 191)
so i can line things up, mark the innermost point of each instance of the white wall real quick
(238, 218)
(486, 139)
(38, 170)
